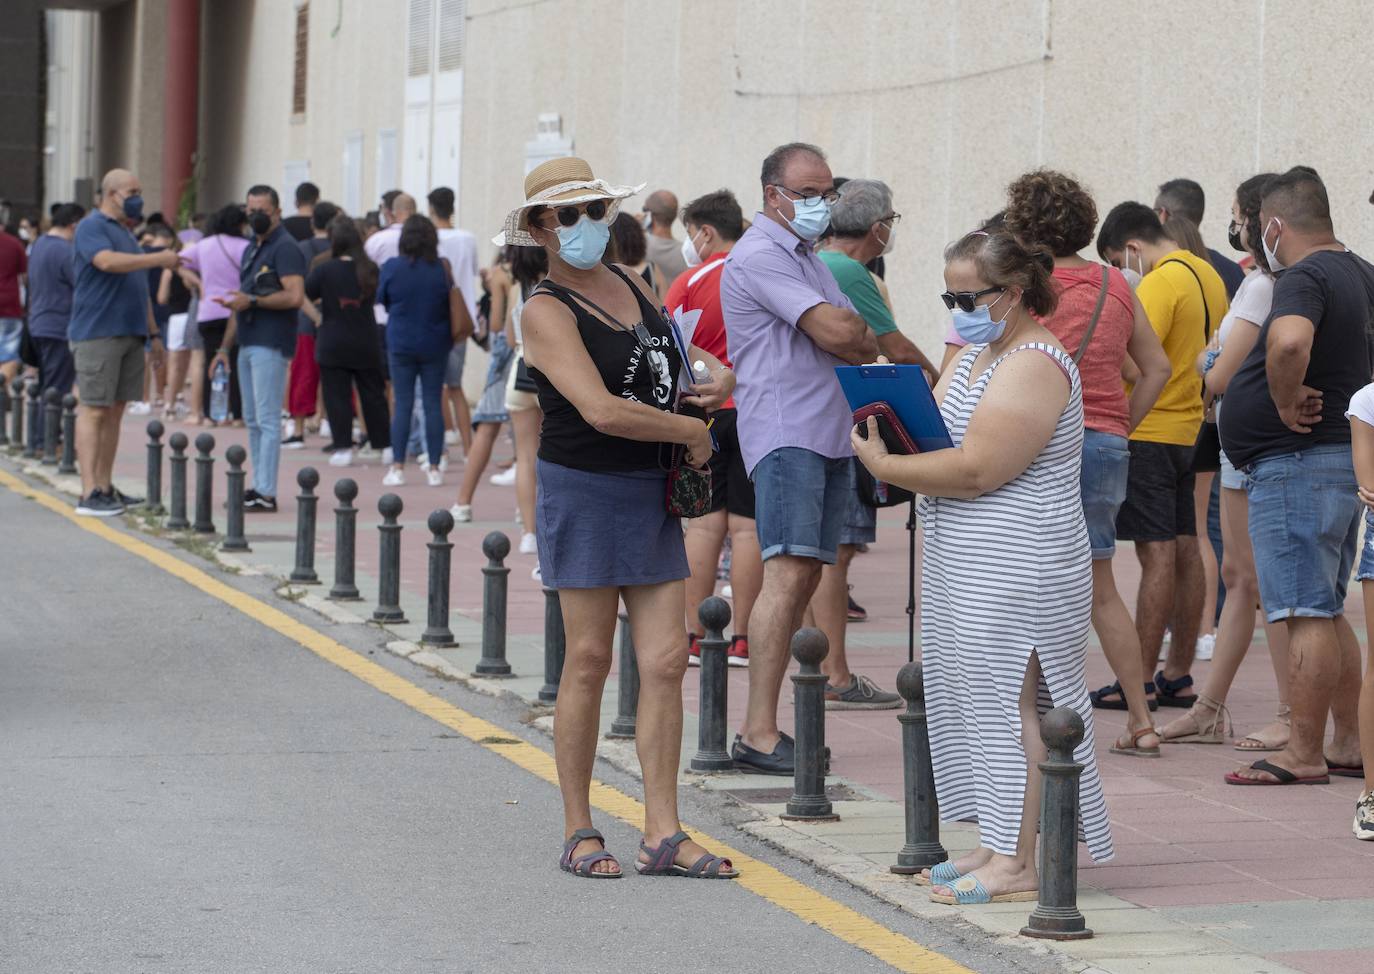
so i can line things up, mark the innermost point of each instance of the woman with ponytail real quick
(1007, 576)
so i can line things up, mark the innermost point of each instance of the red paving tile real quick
(1327, 961)
(1165, 812)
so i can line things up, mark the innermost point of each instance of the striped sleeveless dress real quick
(1006, 575)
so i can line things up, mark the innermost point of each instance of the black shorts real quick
(1159, 493)
(730, 484)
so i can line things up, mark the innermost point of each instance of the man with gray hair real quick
(665, 250)
(787, 325)
(863, 225)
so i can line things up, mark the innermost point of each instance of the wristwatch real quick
(253, 301)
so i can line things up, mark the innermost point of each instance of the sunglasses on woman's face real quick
(569, 215)
(966, 300)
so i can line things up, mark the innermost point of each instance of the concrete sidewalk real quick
(1208, 877)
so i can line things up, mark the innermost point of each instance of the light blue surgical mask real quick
(977, 327)
(811, 217)
(583, 244)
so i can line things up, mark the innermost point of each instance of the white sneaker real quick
(434, 477)
(288, 429)
(324, 430)
(506, 478)
(388, 456)
(537, 575)
(140, 409)
(443, 463)
(395, 477)
(529, 544)
(340, 458)
(1206, 645)
(462, 513)
(451, 438)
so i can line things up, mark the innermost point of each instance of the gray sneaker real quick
(861, 694)
(1364, 817)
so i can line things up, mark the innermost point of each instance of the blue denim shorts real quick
(860, 521)
(1366, 569)
(11, 329)
(1304, 522)
(801, 500)
(1102, 479)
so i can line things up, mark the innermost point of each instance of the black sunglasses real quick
(569, 215)
(966, 300)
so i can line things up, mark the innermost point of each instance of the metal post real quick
(35, 421)
(67, 465)
(234, 477)
(437, 632)
(809, 801)
(1056, 916)
(16, 415)
(52, 425)
(495, 579)
(304, 572)
(389, 572)
(923, 848)
(627, 680)
(176, 519)
(4, 413)
(345, 542)
(154, 485)
(555, 646)
(205, 486)
(711, 753)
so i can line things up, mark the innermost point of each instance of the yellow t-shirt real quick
(1173, 301)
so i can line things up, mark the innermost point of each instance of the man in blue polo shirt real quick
(271, 288)
(111, 320)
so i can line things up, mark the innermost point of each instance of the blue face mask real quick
(583, 243)
(977, 327)
(810, 219)
(133, 207)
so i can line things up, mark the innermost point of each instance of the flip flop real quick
(582, 865)
(941, 874)
(968, 891)
(1284, 776)
(662, 862)
(1345, 770)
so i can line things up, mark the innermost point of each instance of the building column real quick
(181, 96)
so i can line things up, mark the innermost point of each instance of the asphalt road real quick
(187, 790)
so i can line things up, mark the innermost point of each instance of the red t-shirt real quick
(1105, 406)
(694, 297)
(13, 262)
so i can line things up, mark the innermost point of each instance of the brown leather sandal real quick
(1130, 744)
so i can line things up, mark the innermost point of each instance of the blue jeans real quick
(262, 384)
(1102, 480)
(404, 369)
(1304, 520)
(802, 500)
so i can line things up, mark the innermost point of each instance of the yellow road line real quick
(902, 953)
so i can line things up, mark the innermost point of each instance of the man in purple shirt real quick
(788, 326)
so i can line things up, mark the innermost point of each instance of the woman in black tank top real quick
(608, 368)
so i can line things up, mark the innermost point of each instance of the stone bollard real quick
(711, 753)
(345, 542)
(153, 487)
(389, 571)
(35, 421)
(16, 415)
(205, 486)
(555, 646)
(923, 848)
(437, 632)
(495, 579)
(1056, 916)
(52, 425)
(4, 413)
(809, 802)
(234, 477)
(176, 518)
(627, 689)
(67, 465)
(306, 503)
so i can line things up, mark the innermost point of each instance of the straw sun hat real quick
(554, 183)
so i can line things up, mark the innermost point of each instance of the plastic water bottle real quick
(219, 393)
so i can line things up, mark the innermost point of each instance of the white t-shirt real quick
(1362, 405)
(1252, 302)
(381, 247)
(460, 249)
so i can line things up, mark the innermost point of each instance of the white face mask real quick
(1271, 253)
(1132, 278)
(647, 220)
(690, 256)
(891, 239)
(1126, 267)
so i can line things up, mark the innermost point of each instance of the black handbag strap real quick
(1206, 311)
(1097, 313)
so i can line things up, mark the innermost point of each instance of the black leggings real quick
(337, 386)
(212, 333)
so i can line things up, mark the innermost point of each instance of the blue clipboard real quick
(905, 389)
